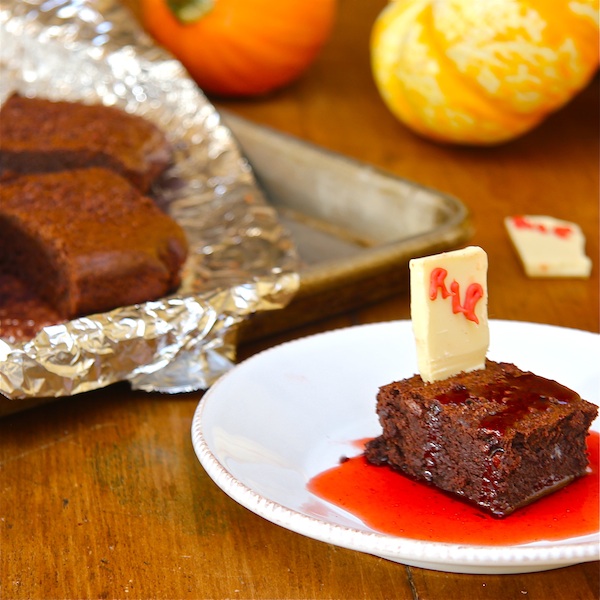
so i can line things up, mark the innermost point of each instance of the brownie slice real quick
(87, 241)
(497, 437)
(39, 135)
(22, 312)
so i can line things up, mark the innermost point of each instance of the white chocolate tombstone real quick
(549, 247)
(448, 302)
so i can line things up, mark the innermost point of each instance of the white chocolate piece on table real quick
(549, 247)
(448, 302)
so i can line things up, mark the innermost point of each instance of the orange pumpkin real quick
(482, 71)
(241, 47)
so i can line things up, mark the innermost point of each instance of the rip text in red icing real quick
(561, 231)
(474, 293)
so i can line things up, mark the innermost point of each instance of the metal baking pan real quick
(355, 226)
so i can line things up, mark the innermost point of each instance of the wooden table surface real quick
(102, 495)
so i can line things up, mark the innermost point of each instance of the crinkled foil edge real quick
(241, 259)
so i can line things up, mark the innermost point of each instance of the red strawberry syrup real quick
(391, 503)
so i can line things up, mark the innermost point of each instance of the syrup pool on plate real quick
(393, 504)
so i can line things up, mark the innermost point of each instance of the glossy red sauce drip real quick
(515, 398)
(391, 503)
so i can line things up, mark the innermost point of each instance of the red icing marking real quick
(393, 504)
(561, 231)
(521, 222)
(473, 295)
(437, 282)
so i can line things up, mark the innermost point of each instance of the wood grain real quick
(102, 495)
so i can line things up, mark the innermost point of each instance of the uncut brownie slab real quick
(497, 437)
(87, 241)
(39, 135)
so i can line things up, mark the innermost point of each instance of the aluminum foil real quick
(241, 259)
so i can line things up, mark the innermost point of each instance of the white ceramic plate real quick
(283, 416)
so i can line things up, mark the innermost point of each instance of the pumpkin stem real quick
(190, 11)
